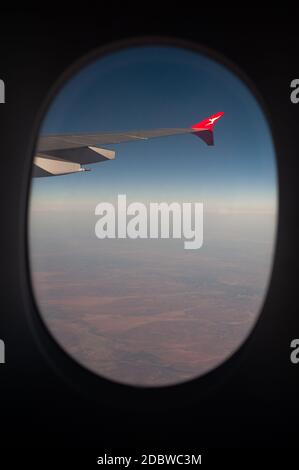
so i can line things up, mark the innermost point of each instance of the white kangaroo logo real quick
(213, 119)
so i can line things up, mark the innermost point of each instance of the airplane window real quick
(152, 214)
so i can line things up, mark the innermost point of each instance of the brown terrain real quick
(143, 314)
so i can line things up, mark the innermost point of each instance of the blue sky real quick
(153, 87)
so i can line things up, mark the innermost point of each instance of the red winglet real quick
(204, 129)
(209, 122)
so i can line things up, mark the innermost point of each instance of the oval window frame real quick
(80, 377)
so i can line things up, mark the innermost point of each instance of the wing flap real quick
(82, 155)
(54, 166)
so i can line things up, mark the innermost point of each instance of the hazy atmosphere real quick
(147, 312)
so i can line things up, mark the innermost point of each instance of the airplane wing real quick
(63, 154)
